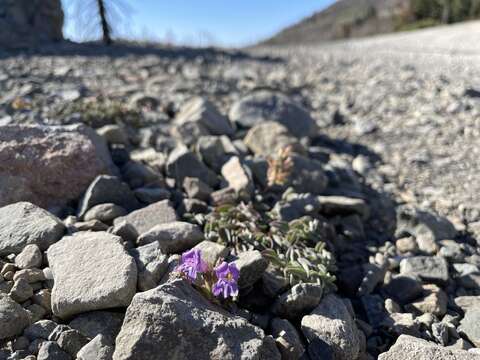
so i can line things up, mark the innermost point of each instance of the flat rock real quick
(332, 324)
(108, 189)
(23, 223)
(97, 349)
(430, 269)
(269, 106)
(146, 218)
(40, 164)
(96, 261)
(173, 237)
(469, 326)
(176, 321)
(50, 350)
(411, 348)
(212, 252)
(13, 318)
(251, 265)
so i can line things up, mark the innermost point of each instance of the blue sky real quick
(200, 22)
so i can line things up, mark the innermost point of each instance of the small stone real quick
(403, 289)
(469, 326)
(182, 163)
(467, 302)
(30, 275)
(173, 237)
(214, 151)
(151, 195)
(91, 225)
(398, 323)
(30, 257)
(21, 291)
(299, 300)
(137, 174)
(406, 245)
(49, 350)
(96, 323)
(238, 176)
(23, 223)
(92, 260)
(21, 343)
(113, 134)
(125, 230)
(251, 265)
(341, 205)
(71, 341)
(287, 339)
(146, 218)
(391, 306)
(440, 333)
(197, 189)
(36, 312)
(97, 349)
(332, 324)
(13, 318)
(152, 264)
(212, 252)
(107, 189)
(105, 213)
(40, 330)
(429, 269)
(434, 301)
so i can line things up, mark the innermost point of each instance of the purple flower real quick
(227, 276)
(191, 264)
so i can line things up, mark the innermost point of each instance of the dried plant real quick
(280, 167)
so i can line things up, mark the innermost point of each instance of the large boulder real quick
(412, 348)
(26, 23)
(49, 165)
(23, 224)
(91, 271)
(264, 105)
(174, 320)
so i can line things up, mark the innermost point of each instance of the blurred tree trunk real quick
(106, 30)
(447, 10)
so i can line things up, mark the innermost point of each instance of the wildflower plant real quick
(217, 283)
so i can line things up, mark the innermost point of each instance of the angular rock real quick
(23, 224)
(299, 300)
(332, 324)
(215, 151)
(49, 350)
(173, 237)
(238, 176)
(212, 252)
(287, 339)
(264, 105)
(204, 112)
(49, 171)
(430, 269)
(403, 289)
(105, 213)
(182, 163)
(401, 323)
(411, 348)
(268, 138)
(176, 321)
(108, 189)
(13, 318)
(21, 291)
(307, 175)
(71, 341)
(146, 218)
(469, 326)
(195, 188)
(94, 261)
(152, 264)
(251, 265)
(341, 205)
(40, 330)
(96, 323)
(467, 302)
(97, 349)
(30, 257)
(434, 301)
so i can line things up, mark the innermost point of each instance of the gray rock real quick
(107, 189)
(71, 341)
(152, 264)
(263, 106)
(429, 269)
(341, 205)
(299, 300)
(13, 318)
(197, 189)
(23, 224)
(96, 323)
(434, 301)
(238, 176)
(125, 230)
(411, 348)
(287, 339)
(50, 173)
(105, 213)
(146, 218)
(49, 350)
(403, 289)
(183, 163)
(268, 138)
(183, 324)
(94, 261)
(251, 265)
(97, 349)
(21, 291)
(137, 174)
(113, 134)
(202, 111)
(401, 323)
(151, 195)
(212, 252)
(467, 302)
(469, 326)
(30, 275)
(173, 237)
(307, 175)
(30, 257)
(332, 324)
(40, 329)
(215, 150)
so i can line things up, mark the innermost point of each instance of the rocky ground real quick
(339, 181)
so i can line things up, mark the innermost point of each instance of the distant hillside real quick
(357, 18)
